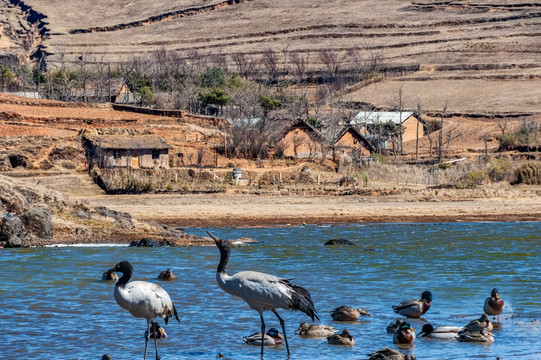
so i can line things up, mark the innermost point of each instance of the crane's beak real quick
(215, 238)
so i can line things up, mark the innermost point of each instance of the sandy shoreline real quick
(238, 210)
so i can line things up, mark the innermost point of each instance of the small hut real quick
(350, 142)
(133, 150)
(302, 140)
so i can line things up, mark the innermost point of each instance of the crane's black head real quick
(427, 330)
(126, 269)
(123, 267)
(495, 294)
(426, 295)
(222, 244)
(225, 249)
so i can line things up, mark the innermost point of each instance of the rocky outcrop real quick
(38, 222)
(33, 215)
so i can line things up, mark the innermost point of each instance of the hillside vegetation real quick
(485, 52)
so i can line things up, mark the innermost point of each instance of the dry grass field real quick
(479, 57)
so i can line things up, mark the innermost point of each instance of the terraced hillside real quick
(487, 51)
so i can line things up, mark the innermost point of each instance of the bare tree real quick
(331, 60)
(399, 104)
(446, 138)
(245, 64)
(419, 119)
(440, 136)
(269, 59)
(502, 124)
(300, 65)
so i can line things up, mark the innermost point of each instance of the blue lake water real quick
(54, 306)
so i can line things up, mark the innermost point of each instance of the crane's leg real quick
(262, 333)
(156, 332)
(146, 339)
(282, 323)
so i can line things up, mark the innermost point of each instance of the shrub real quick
(381, 158)
(499, 169)
(529, 173)
(507, 141)
(471, 180)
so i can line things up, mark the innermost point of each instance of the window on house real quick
(355, 141)
(116, 154)
(155, 154)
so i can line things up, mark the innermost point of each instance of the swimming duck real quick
(109, 276)
(272, 337)
(344, 338)
(393, 327)
(347, 313)
(483, 323)
(390, 354)
(440, 332)
(166, 275)
(404, 335)
(315, 330)
(415, 307)
(156, 331)
(484, 336)
(494, 304)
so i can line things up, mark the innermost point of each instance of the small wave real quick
(88, 245)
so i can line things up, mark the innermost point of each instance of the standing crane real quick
(262, 291)
(142, 299)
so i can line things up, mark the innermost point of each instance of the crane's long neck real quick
(126, 276)
(224, 259)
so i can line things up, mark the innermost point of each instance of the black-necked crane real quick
(262, 292)
(143, 300)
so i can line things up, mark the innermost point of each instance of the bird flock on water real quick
(264, 292)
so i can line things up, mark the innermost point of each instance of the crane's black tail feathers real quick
(301, 300)
(175, 313)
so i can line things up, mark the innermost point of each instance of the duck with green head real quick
(414, 308)
(404, 335)
(272, 338)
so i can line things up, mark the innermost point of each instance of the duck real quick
(440, 332)
(494, 304)
(392, 327)
(414, 308)
(345, 338)
(272, 338)
(390, 354)
(347, 313)
(404, 335)
(109, 276)
(156, 331)
(483, 336)
(478, 324)
(315, 330)
(166, 275)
